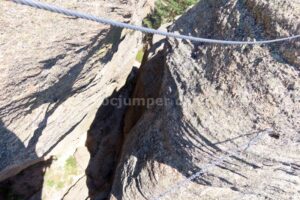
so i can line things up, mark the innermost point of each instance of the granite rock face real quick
(55, 71)
(217, 122)
(229, 125)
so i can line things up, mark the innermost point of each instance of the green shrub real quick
(166, 11)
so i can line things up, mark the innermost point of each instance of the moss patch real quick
(71, 166)
(140, 55)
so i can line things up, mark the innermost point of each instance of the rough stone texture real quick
(220, 99)
(104, 141)
(55, 72)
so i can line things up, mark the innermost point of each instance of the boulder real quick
(55, 72)
(228, 127)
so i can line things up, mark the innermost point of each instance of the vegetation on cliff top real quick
(166, 11)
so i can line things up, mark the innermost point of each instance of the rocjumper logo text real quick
(145, 102)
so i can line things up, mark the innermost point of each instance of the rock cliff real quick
(55, 72)
(239, 104)
(214, 121)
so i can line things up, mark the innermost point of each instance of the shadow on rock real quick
(105, 139)
(160, 133)
(28, 183)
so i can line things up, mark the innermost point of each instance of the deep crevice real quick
(104, 141)
(113, 123)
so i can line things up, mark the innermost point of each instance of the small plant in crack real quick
(140, 55)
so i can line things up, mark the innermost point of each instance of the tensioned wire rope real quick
(56, 9)
(73, 13)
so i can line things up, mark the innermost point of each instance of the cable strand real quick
(73, 13)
